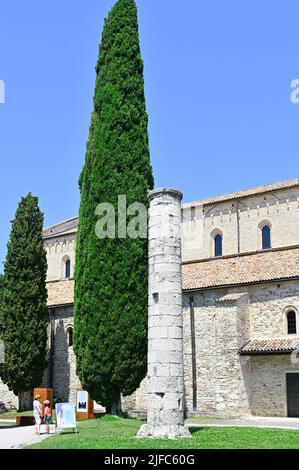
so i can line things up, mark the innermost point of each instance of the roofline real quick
(53, 281)
(215, 200)
(60, 223)
(267, 352)
(244, 284)
(239, 255)
(68, 304)
(251, 192)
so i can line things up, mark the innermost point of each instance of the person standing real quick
(37, 413)
(47, 415)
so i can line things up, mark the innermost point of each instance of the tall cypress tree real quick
(24, 312)
(110, 335)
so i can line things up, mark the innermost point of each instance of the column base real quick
(170, 431)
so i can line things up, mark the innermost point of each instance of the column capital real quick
(175, 193)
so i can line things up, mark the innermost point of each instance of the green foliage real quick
(23, 300)
(1, 300)
(112, 274)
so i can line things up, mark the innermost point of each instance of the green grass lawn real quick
(13, 414)
(113, 433)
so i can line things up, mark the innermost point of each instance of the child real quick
(47, 415)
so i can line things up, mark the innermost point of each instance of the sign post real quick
(84, 406)
(65, 416)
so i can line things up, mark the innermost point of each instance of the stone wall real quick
(136, 404)
(59, 249)
(268, 384)
(229, 384)
(65, 380)
(7, 396)
(269, 305)
(278, 209)
(221, 327)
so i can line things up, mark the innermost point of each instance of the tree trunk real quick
(25, 401)
(116, 409)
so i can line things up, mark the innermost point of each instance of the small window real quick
(218, 245)
(69, 337)
(266, 237)
(68, 268)
(292, 327)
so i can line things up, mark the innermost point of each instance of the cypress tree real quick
(110, 334)
(1, 316)
(24, 312)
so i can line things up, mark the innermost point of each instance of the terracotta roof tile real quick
(61, 292)
(258, 346)
(231, 297)
(244, 269)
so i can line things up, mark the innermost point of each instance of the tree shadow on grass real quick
(65, 433)
(196, 430)
(108, 417)
(14, 426)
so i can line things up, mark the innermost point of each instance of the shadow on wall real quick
(25, 401)
(246, 371)
(61, 366)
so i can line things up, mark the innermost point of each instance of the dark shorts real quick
(47, 419)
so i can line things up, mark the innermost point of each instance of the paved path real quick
(12, 437)
(254, 421)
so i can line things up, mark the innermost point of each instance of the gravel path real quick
(253, 422)
(16, 437)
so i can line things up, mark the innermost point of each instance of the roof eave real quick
(244, 284)
(266, 352)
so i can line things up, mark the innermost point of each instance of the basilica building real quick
(240, 267)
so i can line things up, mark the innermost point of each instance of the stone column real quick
(165, 379)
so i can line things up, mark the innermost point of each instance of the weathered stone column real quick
(165, 379)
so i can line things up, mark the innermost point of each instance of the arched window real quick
(218, 245)
(292, 327)
(68, 268)
(266, 237)
(69, 333)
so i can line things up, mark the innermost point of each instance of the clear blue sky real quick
(217, 79)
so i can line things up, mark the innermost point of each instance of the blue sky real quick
(217, 80)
